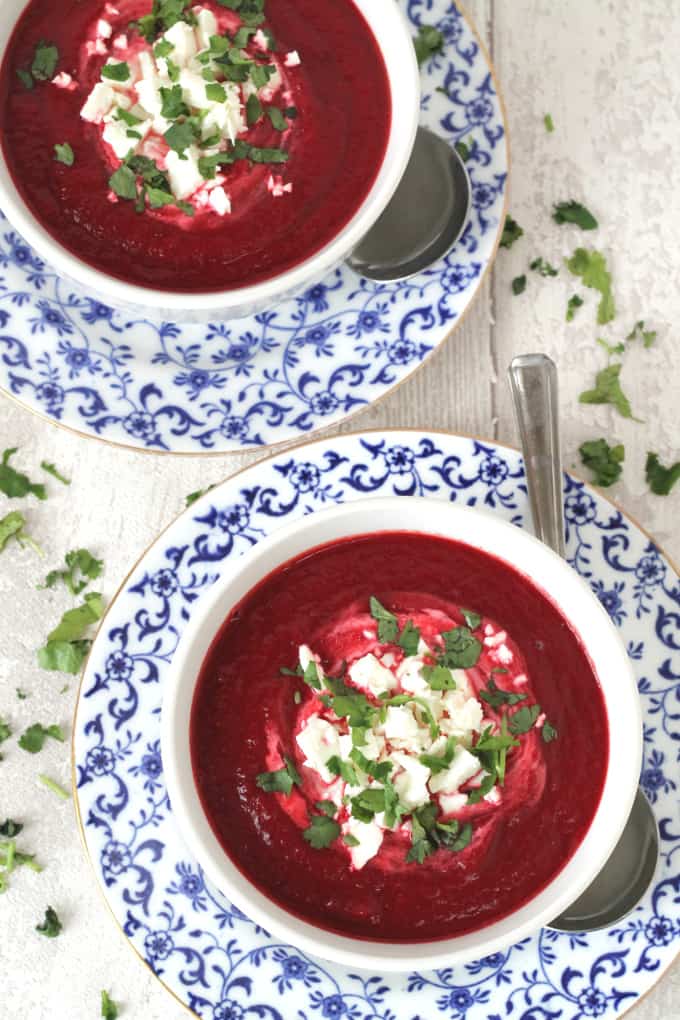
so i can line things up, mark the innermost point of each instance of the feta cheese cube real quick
(183, 39)
(183, 174)
(463, 767)
(411, 782)
(464, 715)
(504, 655)
(206, 25)
(452, 802)
(318, 741)
(193, 89)
(369, 836)
(220, 201)
(260, 40)
(370, 674)
(98, 103)
(147, 66)
(120, 42)
(104, 29)
(116, 135)
(149, 96)
(65, 81)
(400, 723)
(292, 59)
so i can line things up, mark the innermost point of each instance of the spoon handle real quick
(533, 382)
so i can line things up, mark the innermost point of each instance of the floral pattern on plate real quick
(303, 365)
(203, 948)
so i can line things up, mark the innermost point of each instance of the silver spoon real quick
(624, 879)
(425, 217)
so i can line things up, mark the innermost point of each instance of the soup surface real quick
(430, 757)
(199, 154)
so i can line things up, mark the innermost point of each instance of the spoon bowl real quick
(425, 217)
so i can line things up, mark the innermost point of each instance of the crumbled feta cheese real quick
(220, 201)
(120, 42)
(464, 714)
(400, 723)
(194, 89)
(388, 659)
(183, 174)
(504, 655)
(370, 674)
(292, 59)
(115, 135)
(111, 10)
(96, 48)
(104, 29)
(452, 802)
(411, 782)
(318, 741)
(539, 721)
(493, 640)
(183, 39)
(370, 837)
(463, 767)
(98, 103)
(65, 81)
(147, 66)
(149, 97)
(493, 796)
(260, 40)
(373, 749)
(521, 680)
(206, 25)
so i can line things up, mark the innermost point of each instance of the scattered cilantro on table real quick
(638, 332)
(659, 478)
(591, 266)
(604, 461)
(14, 484)
(13, 525)
(81, 568)
(51, 469)
(519, 285)
(10, 829)
(511, 232)
(463, 149)
(574, 212)
(548, 123)
(573, 303)
(33, 739)
(428, 42)
(51, 926)
(193, 497)
(53, 786)
(543, 267)
(607, 390)
(109, 1007)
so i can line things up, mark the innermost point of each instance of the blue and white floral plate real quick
(211, 957)
(302, 366)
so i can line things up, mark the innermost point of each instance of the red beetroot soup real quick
(321, 99)
(455, 652)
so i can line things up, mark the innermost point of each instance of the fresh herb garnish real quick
(327, 807)
(81, 568)
(253, 109)
(51, 469)
(13, 525)
(428, 42)
(492, 749)
(495, 696)
(409, 638)
(542, 266)
(486, 786)
(607, 390)
(54, 787)
(574, 302)
(33, 739)
(5, 732)
(548, 732)
(281, 781)
(193, 497)
(116, 72)
(591, 266)
(10, 829)
(278, 121)
(337, 767)
(26, 78)
(378, 770)
(368, 803)
(350, 840)
(638, 332)
(173, 103)
(461, 649)
(388, 625)
(461, 147)
(548, 123)
(51, 926)
(164, 14)
(322, 832)
(659, 478)
(519, 284)
(440, 763)
(64, 154)
(604, 461)
(180, 136)
(511, 232)
(257, 155)
(45, 61)
(124, 183)
(439, 678)
(574, 212)
(523, 719)
(14, 484)
(428, 834)
(67, 646)
(109, 1007)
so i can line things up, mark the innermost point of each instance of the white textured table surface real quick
(609, 75)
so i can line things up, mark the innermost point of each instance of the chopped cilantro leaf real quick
(54, 787)
(52, 470)
(327, 807)
(11, 526)
(573, 303)
(519, 284)
(21, 695)
(5, 732)
(322, 832)
(607, 390)
(472, 620)
(638, 332)
(216, 93)
(428, 42)
(388, 625)
(347, 772)
(462, 148)
(574, 212)
(33, 739)
(548, 732)
(67, 646)
(409, 638)
(603, 460)
(278, 121)
(350, 840)
(511, 232)
(163, 48)
(281, 781)
(523, 719)
(9, 828)
(311, 676)
(14, 484)
(45, 61)
(461, 649)
(486, 786)
(253, 109)
(548, 123)
(378, 770)
(420, 844)
(123, 183)
(51, 926)
(495, 697)
(542, 266)
(109, 1007)
(81, 568)
(439, 678)
(64, 154)
(659, 478)
(164, 14)
(173, 103)
(591, 266)
(611, 348)
(116, 72)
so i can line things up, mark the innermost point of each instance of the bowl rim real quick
(396, 47)
(529, 557)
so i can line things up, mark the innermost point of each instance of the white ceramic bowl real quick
(394, 40)
(529, 557)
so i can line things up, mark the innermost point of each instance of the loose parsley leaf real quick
(522, 720)
(109, 1007)
(540, 265)
(9, 828)
(21, 695)
(428, 42)
(11, 526)
(54, 787)
(52, 470)
(591, 266)
(574, 212)
(281, 781)
(486, 786)
(64, 154)
(519, 285)
(473, 620)
(462, 649)
(67, 647)
(495, 696)
(548, 123)
(548, 732)
(81, 568)
(608, 390)
(440, 763)
(14, 484)
(611, 348)
(511, 232)
(64, 656)
(45, 61)
(659, 478)
(439, 678)
(180, 136)
(124, 183)
(33, 739)
(388, 625)
(603, 460)
(51, 926)
(193, 497)
(573, 303)
(409, 638)
(322, 832)
(116, 72)
(368, 803)
(638, 332)
(327, 807)
(173, 103)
